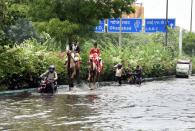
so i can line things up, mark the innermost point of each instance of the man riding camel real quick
(74, 58)
(76, 50)
(73, 62)
(94, 58)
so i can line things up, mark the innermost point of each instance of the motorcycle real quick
(47, 86)
(134, 79)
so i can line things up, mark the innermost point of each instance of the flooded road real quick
(158, 106)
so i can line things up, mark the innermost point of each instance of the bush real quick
(30, 57)
(155, 59)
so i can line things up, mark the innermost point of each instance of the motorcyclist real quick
(50, 77)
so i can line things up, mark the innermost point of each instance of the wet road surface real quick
(153, 106)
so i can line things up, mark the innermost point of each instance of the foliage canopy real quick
(74, 16)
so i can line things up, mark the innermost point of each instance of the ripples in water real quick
(158, 105)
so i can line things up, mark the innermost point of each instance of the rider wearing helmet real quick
(50, 75)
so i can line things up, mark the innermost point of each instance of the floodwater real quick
(153, 106)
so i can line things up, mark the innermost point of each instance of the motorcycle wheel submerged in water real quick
(47, 88)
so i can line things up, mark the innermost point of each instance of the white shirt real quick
(50, 76)
(119, 72)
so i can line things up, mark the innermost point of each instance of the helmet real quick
(51, 68)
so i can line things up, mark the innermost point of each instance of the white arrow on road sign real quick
(171, 25)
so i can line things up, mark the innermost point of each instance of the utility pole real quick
(180, 41)
(106, 26)
(191, 20)
(167, 13)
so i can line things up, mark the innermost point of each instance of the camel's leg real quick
(77, 72)
(73, 73)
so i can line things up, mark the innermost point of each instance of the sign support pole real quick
(120, 34)
(191, 19)
(180, 41)
(167, 10)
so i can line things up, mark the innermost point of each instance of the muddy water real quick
(159, 106)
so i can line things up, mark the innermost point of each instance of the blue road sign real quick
(100, 28)
(158, 25)
(128, 25)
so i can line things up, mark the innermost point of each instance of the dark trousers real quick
(119, 80)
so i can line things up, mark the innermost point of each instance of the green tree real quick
(21, 30)
(83, 13)
(10, 12)
(189, 43)
(5, 20)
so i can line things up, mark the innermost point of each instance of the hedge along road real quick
(157, 105)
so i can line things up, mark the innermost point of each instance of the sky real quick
(179, 9)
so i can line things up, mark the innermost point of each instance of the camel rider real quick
(50, 75)
(94, 52)
(74, 58)
(95, 56)
(76, 47)
(95, 62)
(76, 50)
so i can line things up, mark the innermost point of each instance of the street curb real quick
(143, 80)
(17, 92)
(159, 78)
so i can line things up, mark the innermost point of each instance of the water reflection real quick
(61, 111)
(159, 105)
